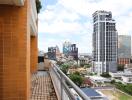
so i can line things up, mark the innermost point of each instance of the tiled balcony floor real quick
(42, 87)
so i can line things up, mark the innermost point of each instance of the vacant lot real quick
(116, 95)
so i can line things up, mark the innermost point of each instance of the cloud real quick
(72, 19)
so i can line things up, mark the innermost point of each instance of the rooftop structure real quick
(90, 92)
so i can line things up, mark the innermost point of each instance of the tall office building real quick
(104, 42)
(66, 46)
(70, 50)
(124, 49)
(52, 53)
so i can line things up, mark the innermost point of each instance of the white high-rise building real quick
(105, 40)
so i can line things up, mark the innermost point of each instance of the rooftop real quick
(90, 92)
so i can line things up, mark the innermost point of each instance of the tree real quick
(112, 81)
(64, 68)
(76, 78)
(107, 75)
(59, 63)
(120, 67)
(38, 6)
(124, 87)
(87, 65)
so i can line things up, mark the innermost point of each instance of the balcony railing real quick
(63, 85)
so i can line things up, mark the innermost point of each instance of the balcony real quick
(54, 85)
(42, 87)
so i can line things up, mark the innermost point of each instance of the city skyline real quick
(59, 20)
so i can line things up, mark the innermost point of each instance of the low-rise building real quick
(127, 78)
(82, 71)
(116, 75)
(91, 93)
(123, 77)
(84, 61)
(128, 70)
(99, 79)
(52, 53)
(119, 74)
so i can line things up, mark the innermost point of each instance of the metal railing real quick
(63, 85)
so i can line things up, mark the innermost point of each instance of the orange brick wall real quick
(34, 54)
(123, 61)
(14, 52)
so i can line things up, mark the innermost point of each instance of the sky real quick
(71, 20)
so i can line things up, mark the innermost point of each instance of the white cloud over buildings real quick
(69, 18)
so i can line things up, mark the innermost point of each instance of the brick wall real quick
(14, 52)
(34, 54)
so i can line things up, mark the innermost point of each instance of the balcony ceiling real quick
(13, 2)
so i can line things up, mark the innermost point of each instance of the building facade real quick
(70, 50)
(66, 48)
(104, 42)
(52, 53)
(58, 53)
(124, 49)
(18, 48)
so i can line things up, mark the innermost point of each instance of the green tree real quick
(87, 65)
(76, 78)
(112, 81)
(126, 88)
(64, 68)
(38, 6)
(59, 63)
(107, 75)
(120, 67)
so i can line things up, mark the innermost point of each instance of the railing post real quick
(64, 92)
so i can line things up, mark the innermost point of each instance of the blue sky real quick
(71, 20)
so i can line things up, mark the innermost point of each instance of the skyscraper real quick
(124, 49)
(70, 50)
(52, 53)
(104, 42)
(66, 48)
